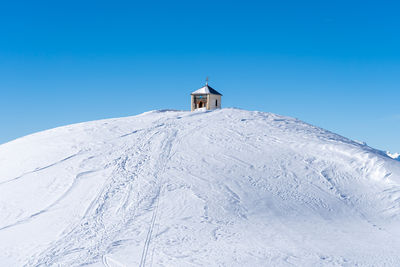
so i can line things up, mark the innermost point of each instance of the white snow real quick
(200, 109)
(205, 90)
(173, 188)
(202, 90)
(393, 155)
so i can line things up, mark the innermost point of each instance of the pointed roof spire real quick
(206, 90)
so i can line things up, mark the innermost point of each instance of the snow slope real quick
(172, 188)
(395, 156)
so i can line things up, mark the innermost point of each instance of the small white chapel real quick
(205, 98)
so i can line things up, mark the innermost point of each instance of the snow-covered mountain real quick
(395, 156)
(173, 188)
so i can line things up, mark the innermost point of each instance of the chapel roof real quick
(206, 90)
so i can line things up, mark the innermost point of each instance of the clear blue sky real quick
(334, 64)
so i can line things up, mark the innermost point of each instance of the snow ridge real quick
(173, 188)
(395, 156)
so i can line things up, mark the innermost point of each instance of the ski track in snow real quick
(221, 188)
(38, 170)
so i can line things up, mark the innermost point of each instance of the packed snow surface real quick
(173, 188)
